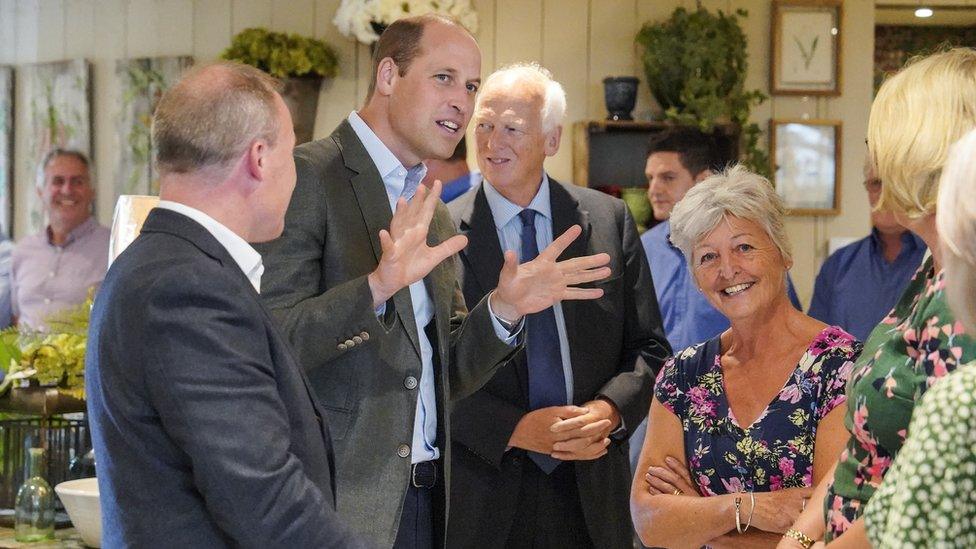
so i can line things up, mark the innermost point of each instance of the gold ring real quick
(677, 492)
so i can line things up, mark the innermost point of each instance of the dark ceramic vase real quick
(620, 95)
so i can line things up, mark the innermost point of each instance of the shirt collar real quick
(385, 161)
(910, 240)
(503, 210)
(85, 228)
(246, 257)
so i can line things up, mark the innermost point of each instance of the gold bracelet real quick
(803, 539)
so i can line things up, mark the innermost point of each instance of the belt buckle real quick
(418, 483)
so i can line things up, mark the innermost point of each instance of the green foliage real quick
(282, 55)
(696, 68)
(57, 357)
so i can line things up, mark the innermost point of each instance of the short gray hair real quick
(737, 192)
(956, 220)
(212, 115)
(554, 96)
(58, 152)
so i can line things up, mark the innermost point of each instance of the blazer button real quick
(357, 340)
(364, 335)
(410, 382)
(403, 450)
(341, 346)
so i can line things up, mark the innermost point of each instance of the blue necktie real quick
(547, 382)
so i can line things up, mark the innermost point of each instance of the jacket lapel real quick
(367, 184)
(483, 254)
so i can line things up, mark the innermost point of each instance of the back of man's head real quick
(696, 150)
(401, 42)
(210, 117)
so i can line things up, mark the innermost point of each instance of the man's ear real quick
(703, 175)
(552, 141)
(256, 159)
(386, 75)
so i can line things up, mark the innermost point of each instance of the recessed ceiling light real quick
(923, 12)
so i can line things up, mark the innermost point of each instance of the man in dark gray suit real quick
(205, 428)
(369, 297)
(550, 467)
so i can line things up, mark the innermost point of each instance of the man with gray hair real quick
(56, 268)
(550, 469)
(206, 429)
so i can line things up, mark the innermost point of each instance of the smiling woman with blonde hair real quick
(742, 425)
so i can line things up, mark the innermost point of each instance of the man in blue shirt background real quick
(861, 282)
(455, 176)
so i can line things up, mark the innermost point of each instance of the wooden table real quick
(65, 538)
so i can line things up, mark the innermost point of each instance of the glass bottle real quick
(34, 508)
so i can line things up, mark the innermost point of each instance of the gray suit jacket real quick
(616, 346)
(205, 428)
(365, 369)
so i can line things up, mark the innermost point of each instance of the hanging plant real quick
(282, 55)
(696, 68)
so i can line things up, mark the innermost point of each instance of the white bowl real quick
(80, 499)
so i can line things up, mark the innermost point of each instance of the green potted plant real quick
(696, 68)
(301, 62)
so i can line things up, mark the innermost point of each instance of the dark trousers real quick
(549, 512)
(422, 517)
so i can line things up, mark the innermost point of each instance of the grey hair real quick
(554, 102)
(212, 115)
(955, 217)
(737, 192)
(58, 152)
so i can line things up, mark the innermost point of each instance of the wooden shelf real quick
(612, 153)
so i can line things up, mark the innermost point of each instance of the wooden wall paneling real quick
(79, 21)
(141, 17)
(518, 30)
(109, 46)
(26, 21)
(249, 13)
(211, 28)
(563, 50)
(50, 31)
(756, 28)
(293, 16)
(8, 32)
(613, 26)
(486, 34)
(338, 95)
(174, 28)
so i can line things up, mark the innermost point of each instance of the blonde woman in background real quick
(915, 118)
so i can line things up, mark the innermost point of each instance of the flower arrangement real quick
(365, 20)
(55, 358)
(282, 55)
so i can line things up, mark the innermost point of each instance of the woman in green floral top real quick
(916, 116)
(929, 497)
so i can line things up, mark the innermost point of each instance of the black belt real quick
(424, 474)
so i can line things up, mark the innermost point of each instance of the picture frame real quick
(806, 164)
(806, 56)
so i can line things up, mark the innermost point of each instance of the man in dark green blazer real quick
(369, 297)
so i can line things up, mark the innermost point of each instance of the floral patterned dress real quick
(776, 451)
(918, 342)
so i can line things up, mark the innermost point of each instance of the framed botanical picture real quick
(806, 165)
(806, 56)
